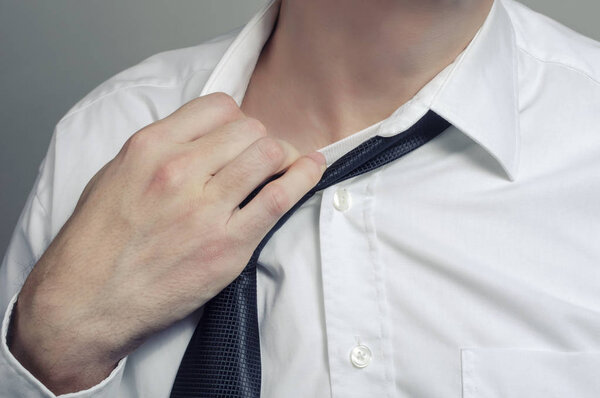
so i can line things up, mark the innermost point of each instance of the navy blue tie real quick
(222, 359)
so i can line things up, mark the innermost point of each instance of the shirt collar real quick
(477, 93)
(481, 97)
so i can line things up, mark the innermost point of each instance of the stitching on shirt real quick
(165, 85)
(218, 70)
(516, 157)
(521, 41)
(567, 66)
(128, 87)
(222, 59)
(378, 265)
(36, 197)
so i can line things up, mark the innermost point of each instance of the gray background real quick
(54, 52)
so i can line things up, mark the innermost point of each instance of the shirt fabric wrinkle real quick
(436, 260)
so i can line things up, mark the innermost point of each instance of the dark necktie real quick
(223, 357)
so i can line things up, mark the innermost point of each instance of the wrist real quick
(52, 354)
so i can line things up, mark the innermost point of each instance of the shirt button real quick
(342, 200)
(360, 356)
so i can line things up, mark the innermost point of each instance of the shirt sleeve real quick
(31, 237)
(18, 382)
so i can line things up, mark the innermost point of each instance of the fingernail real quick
(319, 158)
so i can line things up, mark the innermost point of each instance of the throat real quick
(317, 81)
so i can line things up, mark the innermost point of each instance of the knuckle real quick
(225, 104)
(168, 175)
(209, 232)
(277, 200)
(254, 126)
(313, 170)
(270, 150)
(192, 105)
(140, 141)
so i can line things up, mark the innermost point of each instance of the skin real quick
(332, 68)
(329, 69)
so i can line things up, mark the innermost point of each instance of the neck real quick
(346, 64)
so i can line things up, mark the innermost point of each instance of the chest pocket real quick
(521, 373)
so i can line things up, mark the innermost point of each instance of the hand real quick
(156, 233)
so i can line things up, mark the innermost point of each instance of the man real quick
(468, 267)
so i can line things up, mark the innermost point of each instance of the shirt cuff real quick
(18, 382)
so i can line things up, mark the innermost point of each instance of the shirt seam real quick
(44, 210)
(128, 87)
(567, 66)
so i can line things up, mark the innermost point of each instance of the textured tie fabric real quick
(223, 356)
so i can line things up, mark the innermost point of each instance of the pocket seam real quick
(467, 367)
(471, 369)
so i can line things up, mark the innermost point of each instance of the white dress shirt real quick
(467, 268)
